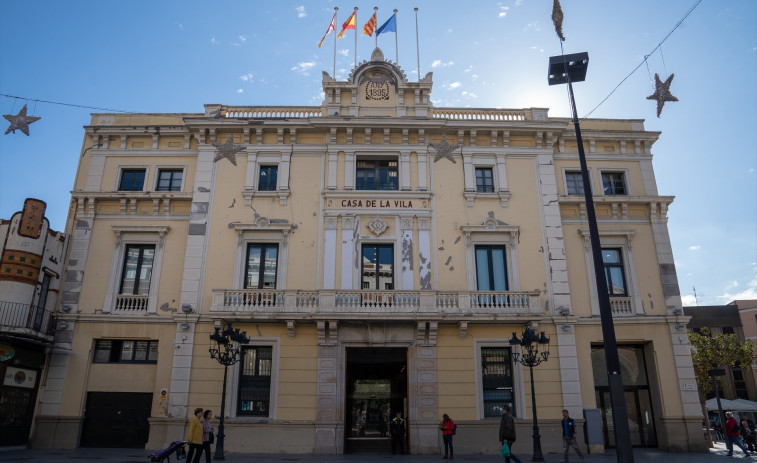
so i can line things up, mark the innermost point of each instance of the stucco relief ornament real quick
(228, 150)
(444, 149)
(662, 92)
(378, 226)
(20, 121)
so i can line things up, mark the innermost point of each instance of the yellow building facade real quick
(379, 252)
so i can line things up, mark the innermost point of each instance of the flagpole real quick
(336, 21)
(396, 41)
(375, 36)
(356, 23)
(417, 46)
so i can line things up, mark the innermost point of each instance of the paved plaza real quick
(84, 455)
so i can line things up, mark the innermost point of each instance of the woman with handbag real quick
(207, 434)
(448, 430)
(194, 437)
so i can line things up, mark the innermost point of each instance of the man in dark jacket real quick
(569, 436)
(507, 433)
(397, 430)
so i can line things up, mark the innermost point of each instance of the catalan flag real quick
(332, 27)
(370, 26)
(349, 24)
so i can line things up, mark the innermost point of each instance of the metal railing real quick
(15, 315)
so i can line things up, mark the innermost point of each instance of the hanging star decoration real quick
(444, 149)
(662, 92)
(20, 121)
(228, 150)
(557, 17)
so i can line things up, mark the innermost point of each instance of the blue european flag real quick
(389, 26)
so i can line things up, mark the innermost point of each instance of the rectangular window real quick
(614, 272)
(137, 271)
(255, 381)
(497, 380)
(267, 178)
(378, 266)
(132, 180)
(376, 175)
(574, 183)
(613, 183)
(727, 330)
(491, 268)
(169, 180)
(484, 180)
(262, 262)
(125, 351)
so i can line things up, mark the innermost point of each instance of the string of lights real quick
(686, 15)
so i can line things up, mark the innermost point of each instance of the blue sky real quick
(175, 56)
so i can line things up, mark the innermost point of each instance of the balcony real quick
(128, 304)
(621, 306)
(374, 305)
(26, 320)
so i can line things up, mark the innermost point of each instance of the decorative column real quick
(329, 252)
(350, 256)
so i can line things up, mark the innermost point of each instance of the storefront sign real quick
(6, 352)
(19, 377)
(377, 203)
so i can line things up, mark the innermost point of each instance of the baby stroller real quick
(165, 454)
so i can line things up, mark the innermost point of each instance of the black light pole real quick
(227, 352)
(568, 69)
(531, 356)
(716, 374)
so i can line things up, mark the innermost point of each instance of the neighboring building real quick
(738, 383)
(748, 315)
(374, 267)
(31, 259)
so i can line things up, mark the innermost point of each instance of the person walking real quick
(194, 437)
(448, 429)
(507, 433)
(569, 436)
(397, 430)
(207, 434)
(732, 434)
(747, 433)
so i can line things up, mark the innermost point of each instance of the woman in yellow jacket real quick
(194, 437)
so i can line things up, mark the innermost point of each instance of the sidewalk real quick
(18, 454)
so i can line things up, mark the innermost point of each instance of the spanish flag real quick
(332, 27)
(370, 26)
(349, 24)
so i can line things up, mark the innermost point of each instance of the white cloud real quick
(214, 41)
(688, 300)
(453, 85)
(304, 67)
(181, 26)
(240, 90)
(751, 171)
(503, 10)
(696, 247)
(534, 25)
(469, 94)
(540, 50)
(439, 63)
(518, 2)
(474, 76)
(343, 52)
(301, 11)
(247, 77)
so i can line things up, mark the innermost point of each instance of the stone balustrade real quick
(267, 303)
(131, 304)
(479, 114)
(621, 307)
(271, 112)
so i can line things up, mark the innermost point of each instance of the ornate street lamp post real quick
(534, 351)
(226, 352)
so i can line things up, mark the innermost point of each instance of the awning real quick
(738, 405)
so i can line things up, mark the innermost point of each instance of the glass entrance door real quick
(639, 411)
(376, 390)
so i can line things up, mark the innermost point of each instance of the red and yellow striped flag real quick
(349, 24)
(370, 26)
